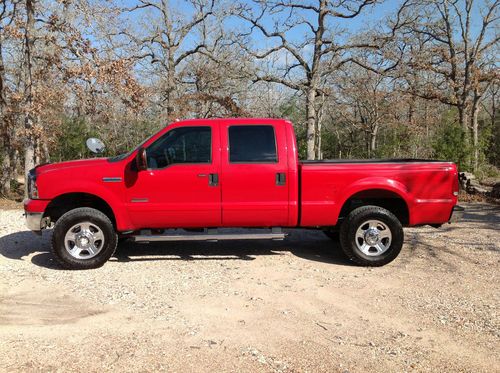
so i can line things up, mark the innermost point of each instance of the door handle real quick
(213, 179)
(280, 178)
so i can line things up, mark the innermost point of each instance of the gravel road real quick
(295, 305)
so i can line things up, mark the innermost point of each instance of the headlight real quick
(32, 188)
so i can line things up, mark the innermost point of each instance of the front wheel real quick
(371, 236)
(83, 238)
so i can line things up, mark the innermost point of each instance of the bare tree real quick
(29, 45)
(311, 58)
(364, 100)
(169, 40)
(453, 44)
(7, 16)
(491, 107)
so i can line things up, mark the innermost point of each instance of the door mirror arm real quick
(141, 160)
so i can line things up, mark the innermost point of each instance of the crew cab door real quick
(254, 175)
(181, 186)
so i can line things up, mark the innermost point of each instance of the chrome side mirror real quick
(96, 146)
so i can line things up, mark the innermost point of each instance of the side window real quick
(181, 145)
(249, 144)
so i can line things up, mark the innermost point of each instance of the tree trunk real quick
(8, 166)
(5, 170)
(319, 154)
(319, 124)
(311, 124)
(373, 140)
(495, 127)
(475, 132)
(29, 151)
(463, 118)
(6, 173)
(169, 94)
(367, 144)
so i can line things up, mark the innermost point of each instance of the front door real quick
(180, 188)
(254, 175)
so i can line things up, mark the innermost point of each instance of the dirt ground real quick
(295, 305)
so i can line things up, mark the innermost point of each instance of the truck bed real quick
(424, 187)
(387, 160)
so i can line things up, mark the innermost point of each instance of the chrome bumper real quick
(457, 214)
(35, 221)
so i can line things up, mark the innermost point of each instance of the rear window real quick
(248, 144)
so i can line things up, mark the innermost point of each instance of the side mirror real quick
(96, 146)
(141, 160)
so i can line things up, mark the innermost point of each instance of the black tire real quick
(74, 217)
(356, 220)
(333, 235)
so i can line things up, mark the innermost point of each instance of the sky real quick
(371, 16)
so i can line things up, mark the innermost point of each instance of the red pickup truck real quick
(196, 176)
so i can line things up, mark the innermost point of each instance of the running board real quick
(208, 237)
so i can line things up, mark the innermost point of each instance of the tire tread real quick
(85, 211)
(345, 243)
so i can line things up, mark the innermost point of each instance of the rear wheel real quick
(83, 238)
(371, 236)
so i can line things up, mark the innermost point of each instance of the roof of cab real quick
(248, 121)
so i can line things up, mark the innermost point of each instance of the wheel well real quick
(66, 202)
(378, 197)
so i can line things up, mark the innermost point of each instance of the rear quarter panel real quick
(427, 189)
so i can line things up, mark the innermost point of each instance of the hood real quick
(93, 162)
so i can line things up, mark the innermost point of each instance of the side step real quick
(276, 234)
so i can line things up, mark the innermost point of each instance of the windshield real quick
(121, 157)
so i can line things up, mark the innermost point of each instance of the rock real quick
(210, 342)
(490, 181)
(467, 175)
(495, 190)
(471, 185)
(474, 187)
(464, 178)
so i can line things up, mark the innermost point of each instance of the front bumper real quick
(34, 210)
(457, 214)
(35, 221)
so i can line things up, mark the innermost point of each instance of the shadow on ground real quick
(307, 244)
(310, 245)
(482, 213)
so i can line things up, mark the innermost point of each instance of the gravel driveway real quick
(295, 305)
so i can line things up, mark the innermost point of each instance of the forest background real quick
(358, 78)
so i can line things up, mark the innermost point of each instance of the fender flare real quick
(377, 183)
(120, 213)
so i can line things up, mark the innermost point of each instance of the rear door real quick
(254, 171)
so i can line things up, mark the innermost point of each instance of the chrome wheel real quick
(84, 240)
(373, 237)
